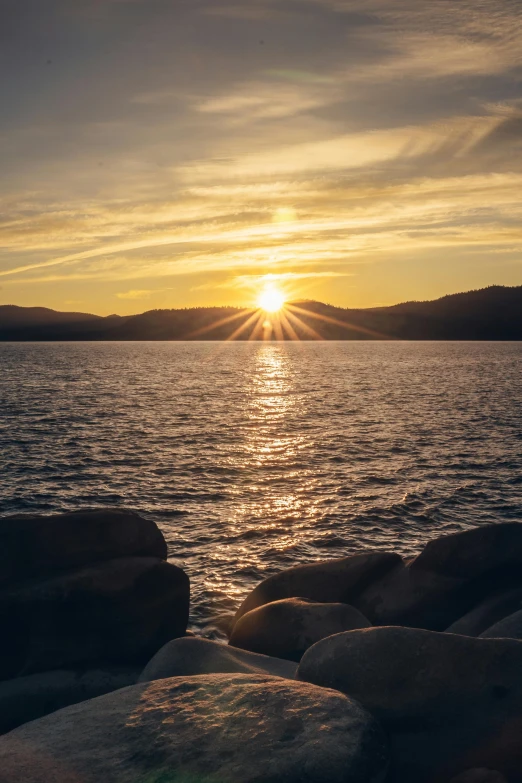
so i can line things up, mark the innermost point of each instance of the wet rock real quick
(37, 546)
(28, 698)
(450, 577)
(450, 703)
(117, 612)
(480, 776)
(234, 728)
(285, 629)
(330, 581)
(185, 657)
(487, 613)
(508, 628)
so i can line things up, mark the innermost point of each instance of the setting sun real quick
(271, 300)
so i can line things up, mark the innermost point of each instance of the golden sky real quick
(172, 153)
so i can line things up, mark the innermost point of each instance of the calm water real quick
(256, 457)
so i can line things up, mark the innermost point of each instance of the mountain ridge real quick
(492, 313)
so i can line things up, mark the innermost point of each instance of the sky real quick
(179, 153)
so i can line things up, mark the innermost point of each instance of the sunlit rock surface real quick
(329, 581)
(289, 627)
(234, 728)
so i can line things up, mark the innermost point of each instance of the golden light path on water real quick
(265, 454)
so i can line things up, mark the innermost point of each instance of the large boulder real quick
(27, 698)
(36, 546)
(473, 553)
(487, 613)
(450, 577)
(450, 703)
(117, 612)
(329, 581)
(285, 629)
(190, 656)
(234, 728)
(508, 628)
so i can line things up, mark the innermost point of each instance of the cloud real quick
(135, 295)
(359, 132)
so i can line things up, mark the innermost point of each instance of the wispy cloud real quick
(135, 295)
(309, 139)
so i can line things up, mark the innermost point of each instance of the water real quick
(256, 457)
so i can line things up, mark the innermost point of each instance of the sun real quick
(271, 300)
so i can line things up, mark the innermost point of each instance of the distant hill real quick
(493, 313)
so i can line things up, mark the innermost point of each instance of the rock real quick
(450, 703)
(508, 628)
(450, 577)
(285, 629)
(185, 657)
(27, 698)
(234, 728)
(479, 776)
(487, 613)
(222, 623)
(36, 546)
(473, 553)
(416, 599)
(117, 612)
(330, 581)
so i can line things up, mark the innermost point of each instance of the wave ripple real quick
(255, 457)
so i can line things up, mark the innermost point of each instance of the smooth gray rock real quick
(233, 728)
(486, 614)
(285, 629)
(508, 628)
(34, 546)
(450, 703)
(329, 581)
(28, 698)
(120, 612)
(450, 577)
(191, 656)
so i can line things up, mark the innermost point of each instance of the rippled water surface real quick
(255, 457)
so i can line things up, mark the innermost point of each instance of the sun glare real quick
(271, 300)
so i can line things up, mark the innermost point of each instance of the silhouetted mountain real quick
(493, 313)
(13, 316)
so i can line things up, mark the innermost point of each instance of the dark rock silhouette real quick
(120, 612)
(479, 776)
(488, 613)
(36, 546)
(508, 628)
(28, 698)
(451, 576)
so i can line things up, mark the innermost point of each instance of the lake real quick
(256, 457)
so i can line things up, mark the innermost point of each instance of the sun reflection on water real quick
(276, 506)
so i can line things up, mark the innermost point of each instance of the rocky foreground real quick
(366, 669)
